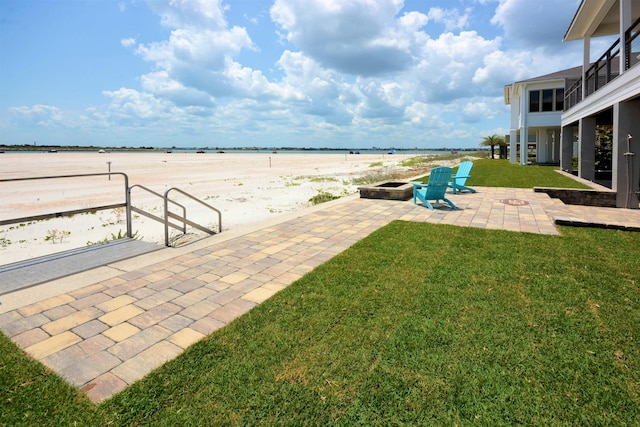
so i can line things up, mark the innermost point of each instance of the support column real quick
(587, 148)
(626, 168)
(524, 145)
(513, 146)
(555, 148)
(625, 22)
(586, 63)
(548, 146)
(566, 149)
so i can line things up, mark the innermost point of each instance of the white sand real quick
(245, 187)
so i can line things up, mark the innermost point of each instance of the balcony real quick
(607, 67)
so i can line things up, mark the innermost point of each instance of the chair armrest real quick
(418, 184)
(454, 177)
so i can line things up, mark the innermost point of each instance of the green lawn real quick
(501, 173)
(416, 324)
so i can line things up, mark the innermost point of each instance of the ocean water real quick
(415, 151)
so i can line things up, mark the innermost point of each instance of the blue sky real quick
(299, 73)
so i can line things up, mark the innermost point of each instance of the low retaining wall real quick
(387, 190)
(572, 196)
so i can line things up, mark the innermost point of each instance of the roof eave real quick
(568, 34)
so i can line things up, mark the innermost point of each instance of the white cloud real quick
(199, 48)
(40, 115)
(131, 106)
(501, 68)
(359, 37)
(451, 18)
(128, 42)
(196, 63)
(476, 111)
(539, 23)
(315, 90)
(448, 65)
(190, 13)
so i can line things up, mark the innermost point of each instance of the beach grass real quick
(417, 324)
(502, 173)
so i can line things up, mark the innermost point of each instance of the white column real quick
(625, 22)
(586, 61)
(524, 145)
(513, 146)
(524, 130)
(556, 146)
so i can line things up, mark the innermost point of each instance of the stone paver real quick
(103, 387)
(52, 345)
(30, 337)
(120, 315)
(86, 370)
(109, 333)
(185, 337)
(141, 364)
(121, 332)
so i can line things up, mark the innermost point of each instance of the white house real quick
(608, 92)
(536, 110)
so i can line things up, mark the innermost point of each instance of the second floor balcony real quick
(606, 68)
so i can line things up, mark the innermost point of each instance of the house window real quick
(546, 100)
(559, 99)
(534, 101)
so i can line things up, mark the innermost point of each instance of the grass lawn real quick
(501, 173)
(416, 324)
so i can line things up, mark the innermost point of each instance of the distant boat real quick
(392, 151)
(53, 151)
(101, 151)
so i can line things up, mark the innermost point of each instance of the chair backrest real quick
(464, 170)
(438, 181)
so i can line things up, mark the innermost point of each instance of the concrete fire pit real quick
(389, 190)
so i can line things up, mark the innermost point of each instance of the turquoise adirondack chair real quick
(435, 189)
(460, 178)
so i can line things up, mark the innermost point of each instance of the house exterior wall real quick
(541, 126)
(621, 96)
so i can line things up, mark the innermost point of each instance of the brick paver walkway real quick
(104, 329)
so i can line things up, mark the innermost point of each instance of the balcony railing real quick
(607, 67)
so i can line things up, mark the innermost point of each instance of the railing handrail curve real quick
(126, 204)
(195, 199)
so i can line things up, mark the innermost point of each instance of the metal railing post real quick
(127, 196)
(166, 220)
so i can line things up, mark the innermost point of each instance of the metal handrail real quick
(168, 214)
(183, 229)
(126, 204)
(630, 35)
(573, 95)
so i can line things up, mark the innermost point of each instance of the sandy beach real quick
(245, 187)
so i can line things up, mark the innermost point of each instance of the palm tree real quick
(492, 141)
